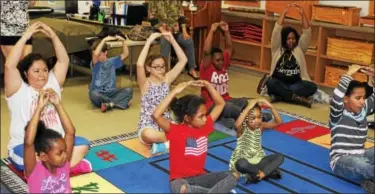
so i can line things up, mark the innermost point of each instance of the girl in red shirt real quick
(188, 139)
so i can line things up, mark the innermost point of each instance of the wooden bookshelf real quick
(260, 53)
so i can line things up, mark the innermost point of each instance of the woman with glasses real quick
(154, 79)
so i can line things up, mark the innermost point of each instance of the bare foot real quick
(183, 189)
(235, 174)
(130, 103)
(261, 175)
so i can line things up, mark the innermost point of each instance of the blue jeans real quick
(187, 45)
(119, 97)
(356, 167)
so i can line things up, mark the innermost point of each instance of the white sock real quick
(166, 145)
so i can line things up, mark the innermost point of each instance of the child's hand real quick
(369, 71)
(34, 28)
(200, 83)
(43, 98)
(154, 36)
(110, 38)
(168, 36)
(120, 38)
(48, 31)
(180, 87)
(252, 104)
(224, 26)
(353, 69)
(265, 102)
(53, 97)
(214, 26)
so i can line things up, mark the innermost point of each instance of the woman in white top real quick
(22, 87)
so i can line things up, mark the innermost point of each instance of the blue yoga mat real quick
(305, 169)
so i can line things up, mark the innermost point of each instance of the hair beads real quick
(251, 116)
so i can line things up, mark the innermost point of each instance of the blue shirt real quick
(104, 75)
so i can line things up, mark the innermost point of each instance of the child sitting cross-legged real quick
(104, 93)
(348, 124)
(248, 157)
(188, 141)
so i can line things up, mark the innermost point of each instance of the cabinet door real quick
(278, 7)
(371, 8)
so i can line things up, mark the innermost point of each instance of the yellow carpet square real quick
(137, 146)
(370, 133)
(325, 141)
(92, 183)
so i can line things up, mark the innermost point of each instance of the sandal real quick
(195, 78)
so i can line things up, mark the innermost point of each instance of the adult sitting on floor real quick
(22, 88)
(288, 79)
(214, 69)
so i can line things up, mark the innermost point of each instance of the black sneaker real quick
(252, 179)
(368, 186)
(276, 174)
(262, 83)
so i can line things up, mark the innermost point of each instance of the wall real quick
(361, 4)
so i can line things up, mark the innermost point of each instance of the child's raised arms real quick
(141, 72)
(277, 119)
(31, 130)
(65, 122)
(242, 117)
(216, 97)
(171, 75)
(98, 50)
(162, 107)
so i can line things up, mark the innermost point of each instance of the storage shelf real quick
(247, 42)
(292, 21)
(343, 60)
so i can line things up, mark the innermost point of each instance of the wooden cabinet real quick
(345, 15)
(199, 23)
(278, 7)
(259, 56)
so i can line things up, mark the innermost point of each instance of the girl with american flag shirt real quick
(188, 141)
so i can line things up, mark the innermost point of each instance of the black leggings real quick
(286, 91)
(267, 165)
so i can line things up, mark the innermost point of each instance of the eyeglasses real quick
(158, 67)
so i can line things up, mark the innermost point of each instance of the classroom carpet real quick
(121, 165)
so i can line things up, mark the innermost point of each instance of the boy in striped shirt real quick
(348, 124)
